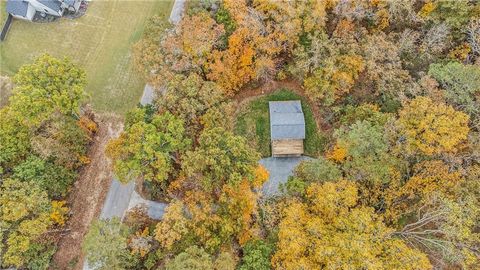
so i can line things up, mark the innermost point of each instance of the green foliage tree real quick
(192, 258)
(220, 158)
(149, 149)
(105, 245)
(43, 110)
(14, 137)
(455, 13)
(312, 171)
(39, 255)
(367, 152)
(46, 86)
(256, 256)
(50, 177)
(461, 84)
(367, 112)
(223, 17)
(189, 98)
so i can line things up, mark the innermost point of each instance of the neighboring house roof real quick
(286, 120)
(53, 4)
(17, 7)
(69, 2)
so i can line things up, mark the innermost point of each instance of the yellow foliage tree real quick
(338, 153)
(58, 212)
(331, 231)
(261, 175)
(173, 227)
(429, 177)
(432, 128)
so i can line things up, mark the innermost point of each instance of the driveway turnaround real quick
(155, 210)
(280, 168)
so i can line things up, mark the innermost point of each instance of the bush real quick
(256, 256)
(39, 256)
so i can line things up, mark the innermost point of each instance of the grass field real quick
(100, 42)
(253, 123)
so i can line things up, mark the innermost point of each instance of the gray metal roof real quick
(69, 2)
(286, 120)
(53, 4)
(17, 7)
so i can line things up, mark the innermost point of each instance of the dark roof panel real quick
(53, 4)
(17, 7)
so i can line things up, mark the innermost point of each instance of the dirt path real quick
(86, 198)
(246, 95)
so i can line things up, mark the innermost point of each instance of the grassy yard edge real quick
(253, 123)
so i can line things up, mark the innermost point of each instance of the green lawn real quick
(100, 42)
(254, 124)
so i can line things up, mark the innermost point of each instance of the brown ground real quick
(88, 194)
(246, 95)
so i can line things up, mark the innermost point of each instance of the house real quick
(287, 128)
(26, 9)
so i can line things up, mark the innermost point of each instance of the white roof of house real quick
(286, 120)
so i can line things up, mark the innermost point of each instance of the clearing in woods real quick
(100, 42)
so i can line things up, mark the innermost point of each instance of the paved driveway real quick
(117, 199)
(280, 169)
(155, 210)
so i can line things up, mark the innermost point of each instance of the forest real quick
(394, 179)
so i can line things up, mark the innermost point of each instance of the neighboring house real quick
(287, 128)
(26, 9)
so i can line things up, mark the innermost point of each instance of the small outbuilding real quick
(287, 128)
